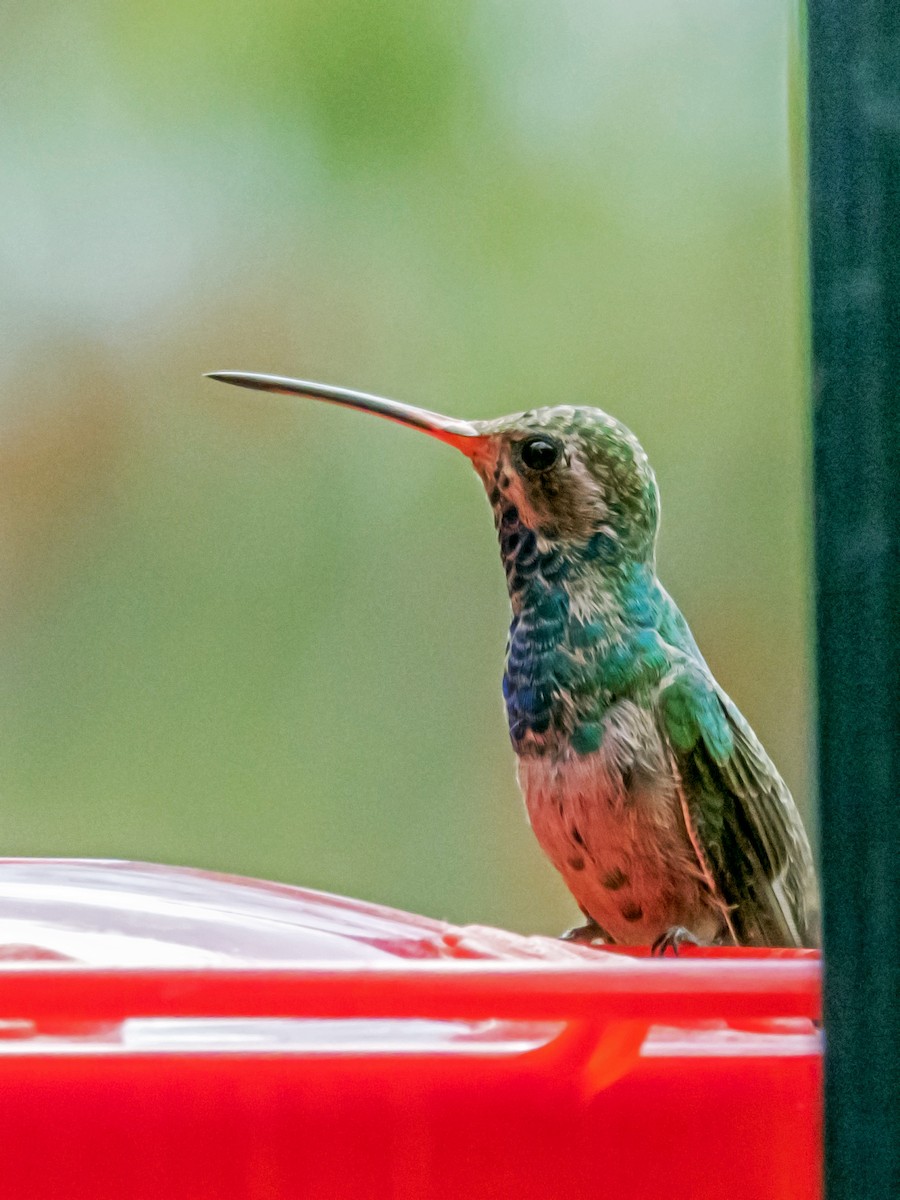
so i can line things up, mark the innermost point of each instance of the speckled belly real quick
(612, 825)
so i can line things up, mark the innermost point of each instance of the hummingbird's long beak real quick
(461, 434)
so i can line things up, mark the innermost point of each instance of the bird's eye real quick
(539, 453)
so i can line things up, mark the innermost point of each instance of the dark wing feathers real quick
(746, 821)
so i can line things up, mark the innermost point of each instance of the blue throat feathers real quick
(563, 672)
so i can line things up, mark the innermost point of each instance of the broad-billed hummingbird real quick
(644, 785)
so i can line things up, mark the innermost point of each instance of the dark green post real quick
(854, 108)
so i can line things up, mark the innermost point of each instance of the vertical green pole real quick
(854, 114)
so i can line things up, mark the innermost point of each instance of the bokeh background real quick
(262, 636)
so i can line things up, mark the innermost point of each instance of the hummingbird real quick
(643, 783)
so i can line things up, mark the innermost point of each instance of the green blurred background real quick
(266, 637)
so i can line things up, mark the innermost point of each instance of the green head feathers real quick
(572, 474)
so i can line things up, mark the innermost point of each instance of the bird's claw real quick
(672, 939)
(585, 935)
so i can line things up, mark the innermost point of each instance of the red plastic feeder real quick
(170, 1033)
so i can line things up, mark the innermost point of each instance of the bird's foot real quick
(586, 935)
(672, 939)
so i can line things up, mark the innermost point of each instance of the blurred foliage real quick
(265, 636)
